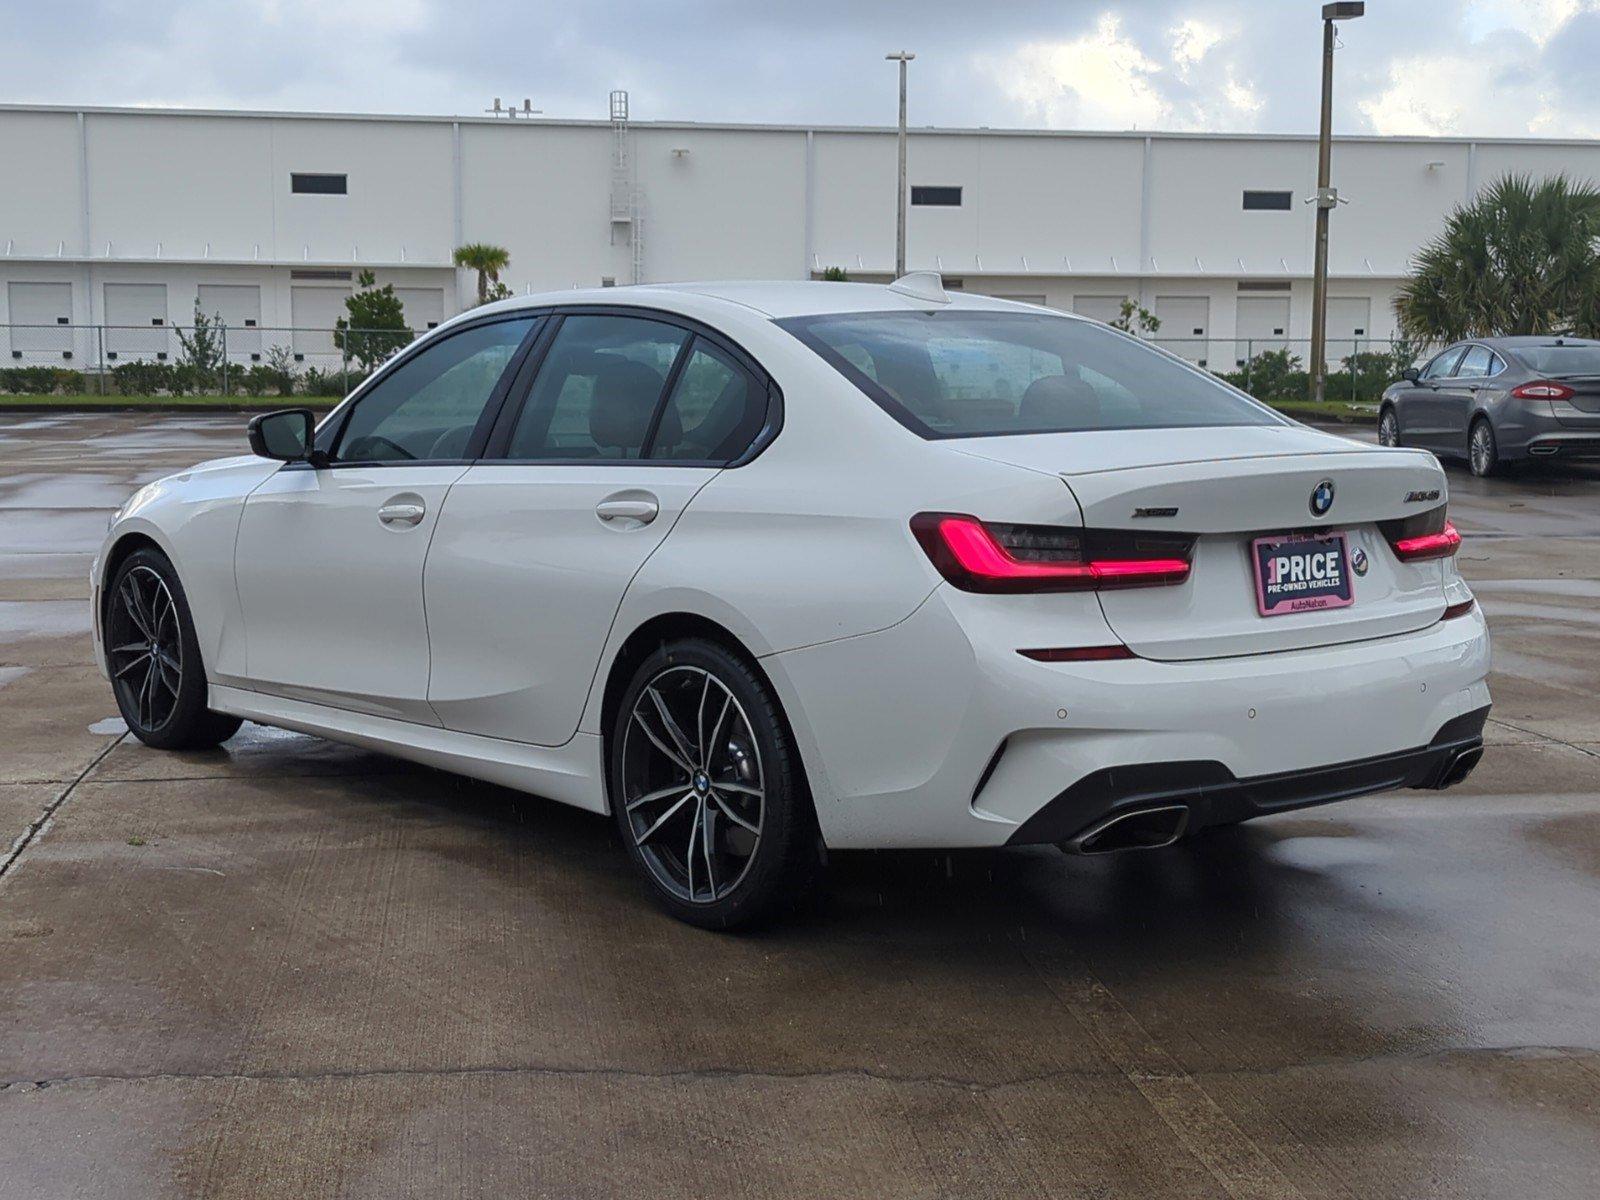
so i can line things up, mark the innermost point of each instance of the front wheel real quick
(1483, 454)
(153, 658)
(708, 791)
(1388, 428)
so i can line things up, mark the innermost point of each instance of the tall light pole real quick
(1327, 196)
(903, 57)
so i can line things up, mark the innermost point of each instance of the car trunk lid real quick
(1229, 487)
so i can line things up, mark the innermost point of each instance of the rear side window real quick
(1476, 363)
(716, 409)
(598, 389)
(978, 374)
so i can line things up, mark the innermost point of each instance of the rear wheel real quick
(1483, 453)
(707, 789)
(154, 658)
(1388, 427)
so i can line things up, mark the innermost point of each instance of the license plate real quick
(1301, 573)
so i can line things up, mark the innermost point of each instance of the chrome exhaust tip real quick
(1140, 829)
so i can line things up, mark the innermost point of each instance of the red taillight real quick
(1080, 653)
(994, 557)
(1543, 389)
(1428, 545)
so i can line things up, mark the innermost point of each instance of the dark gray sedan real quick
(1499, 400)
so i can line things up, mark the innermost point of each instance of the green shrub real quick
(39, 381)
(1272, 375)
(258, 380)
(280, 365)
(140, 378)
(376, 326)
(330, 383)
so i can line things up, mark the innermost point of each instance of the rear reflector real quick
(1428, 545)
(994, 557)
(1078, 654)
(1458, 610)
(1543, 390)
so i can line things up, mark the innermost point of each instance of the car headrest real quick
(1059, 402)
(625, 395)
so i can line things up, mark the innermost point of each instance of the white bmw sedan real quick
(763, 570)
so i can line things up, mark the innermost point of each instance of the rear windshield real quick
(978, 374)
(1561, 360)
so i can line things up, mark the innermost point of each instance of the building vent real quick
(1264, 285)
(314, 273)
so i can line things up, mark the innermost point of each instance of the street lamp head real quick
(902, 56)
(1343, 10)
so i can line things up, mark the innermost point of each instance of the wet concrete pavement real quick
(290, 968)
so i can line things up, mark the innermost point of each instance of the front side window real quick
(598, 389)
(1444, 363)
(967, 374)
(427, 407)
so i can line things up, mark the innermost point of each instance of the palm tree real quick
(1522, 257)
(488, 261)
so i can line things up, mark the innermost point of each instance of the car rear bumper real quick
(1564, 445)
(1207, 793)
(937, 733)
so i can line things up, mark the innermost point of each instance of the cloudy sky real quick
(1484, 67)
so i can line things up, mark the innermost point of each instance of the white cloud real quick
(1106, 79)
(1101, 79)
(1498, 84)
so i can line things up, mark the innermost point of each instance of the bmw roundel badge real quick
(1322, 498)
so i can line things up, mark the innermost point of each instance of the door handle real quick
(401, 513)
(628, 510)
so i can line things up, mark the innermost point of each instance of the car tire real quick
(707, 789)
(153, 657)
(1483, 451)
(1388, 427)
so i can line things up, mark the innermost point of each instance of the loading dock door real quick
(1185, 324)
(1349, 328)
(238, 306)
(40, 316)
(1263, 325)
(314, 311)
(424, 307)
(1100, 308)
(136, 321)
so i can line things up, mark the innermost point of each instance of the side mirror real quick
(284, 435)
(1411, 374)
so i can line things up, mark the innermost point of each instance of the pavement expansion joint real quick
(28, 835)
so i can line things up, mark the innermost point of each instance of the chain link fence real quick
(1278, 368)
(214, 358)
(210, 358)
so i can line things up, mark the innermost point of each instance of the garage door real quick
(1101, 308)
(1185, 324)
(1349, 327)
(314, 311)
(424, 307)
(238, 306)
(41, 321)
(136, 321)
(1263, 325)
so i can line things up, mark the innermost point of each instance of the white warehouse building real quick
(125, 218)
